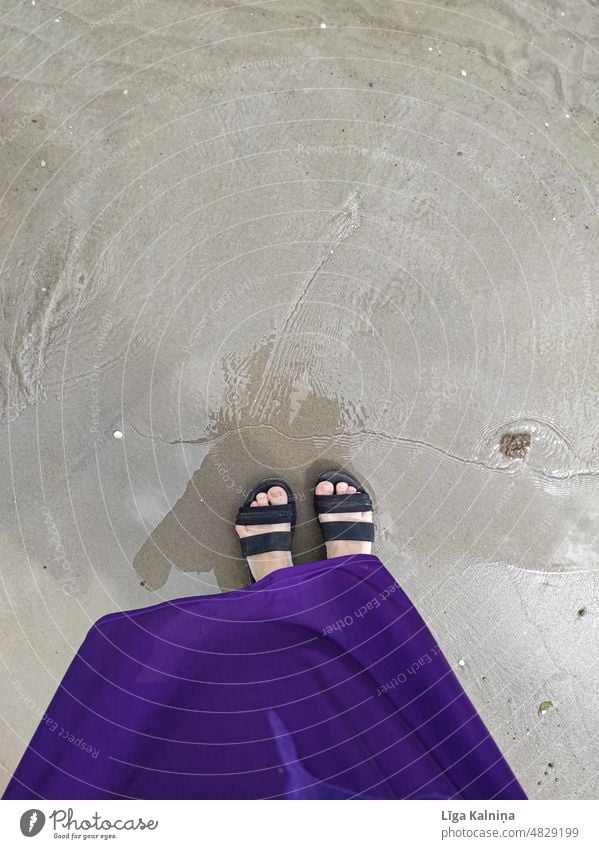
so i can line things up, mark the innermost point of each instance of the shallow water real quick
(253, 245)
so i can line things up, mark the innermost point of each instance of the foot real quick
(343, 547)
(263, 564)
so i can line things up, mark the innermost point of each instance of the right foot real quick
(343, 547)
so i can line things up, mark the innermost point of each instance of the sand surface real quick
(281, 237)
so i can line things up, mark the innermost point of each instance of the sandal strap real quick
(274, 514)
(363, 531)
(259, 543)
(356, 502)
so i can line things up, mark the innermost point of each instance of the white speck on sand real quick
(118, 434)
(43, 163)
(323, 26)
(464, 73)
(461, 662)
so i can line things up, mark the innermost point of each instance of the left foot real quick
(263, 564)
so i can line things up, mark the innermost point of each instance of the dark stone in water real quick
(515, 445)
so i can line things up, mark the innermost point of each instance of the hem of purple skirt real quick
(273, 582)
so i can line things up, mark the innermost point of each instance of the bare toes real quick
(262, 499)
(325, 488)
(254, 504)
(277, 495)
(351, 490)
(342, 488)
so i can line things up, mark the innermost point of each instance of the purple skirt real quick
(319, 681)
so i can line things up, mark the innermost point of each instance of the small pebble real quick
(515, 445)
(118, 434)
(461, 662)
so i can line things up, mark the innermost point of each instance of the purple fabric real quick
(319, 681)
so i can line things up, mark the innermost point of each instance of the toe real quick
(262, 499)
(277, 495)
(254, 504)
(325, 488)
(351, 490)
(342, 488)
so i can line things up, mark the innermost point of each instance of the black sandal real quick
(355, 502)
(271, 514)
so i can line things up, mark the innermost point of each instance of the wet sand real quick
(286, 237)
